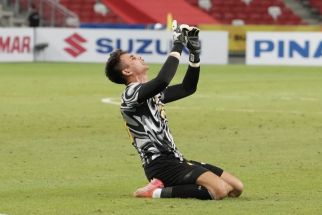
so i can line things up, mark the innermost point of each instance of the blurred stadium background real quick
(257, 114)
(237, 17)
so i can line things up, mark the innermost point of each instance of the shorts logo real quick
(75, 41)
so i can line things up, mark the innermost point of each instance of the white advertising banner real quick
(284, 48)
(16, 44)
(95, 45)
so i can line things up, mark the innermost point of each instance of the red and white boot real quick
(147, 191)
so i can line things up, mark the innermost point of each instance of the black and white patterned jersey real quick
(147, 124)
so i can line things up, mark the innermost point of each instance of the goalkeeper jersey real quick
(147, 124)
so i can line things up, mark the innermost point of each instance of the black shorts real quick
(171, 171)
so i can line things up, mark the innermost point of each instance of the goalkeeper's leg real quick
(172, 178)
(230, 179)
(209, 186)
(156, 189)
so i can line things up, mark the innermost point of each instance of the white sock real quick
(157, 193)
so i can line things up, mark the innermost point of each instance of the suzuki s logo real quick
(75, 42)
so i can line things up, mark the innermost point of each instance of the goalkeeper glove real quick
(179, 37)
(193, 44)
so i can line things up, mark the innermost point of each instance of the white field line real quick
(248, 110)
(287, 98)
(113, 101)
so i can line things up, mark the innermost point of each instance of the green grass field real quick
(63, 151)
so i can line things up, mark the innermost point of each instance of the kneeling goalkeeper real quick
(170, 174)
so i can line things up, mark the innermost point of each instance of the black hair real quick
(113, 67)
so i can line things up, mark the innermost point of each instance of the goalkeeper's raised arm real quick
(191, 78)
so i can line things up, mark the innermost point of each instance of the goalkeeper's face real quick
(134, 66)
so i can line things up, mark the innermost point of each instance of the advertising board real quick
(287, 48)
(16, 44)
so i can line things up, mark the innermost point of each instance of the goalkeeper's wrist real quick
(177, 47)
(194, 57)
(194, 65)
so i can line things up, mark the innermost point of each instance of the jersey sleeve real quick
(158, 84)
(186, 88)
(130, 95)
